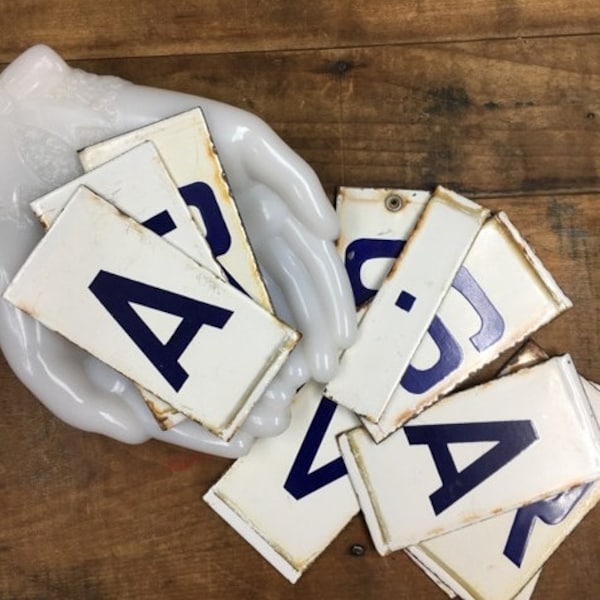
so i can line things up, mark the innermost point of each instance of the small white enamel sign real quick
(484, 451)
(290, 496)
(140, 305)
(138, 184)
(494, 559)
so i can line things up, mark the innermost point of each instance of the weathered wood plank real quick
(87, 517)
(486, 118)
(158, 28)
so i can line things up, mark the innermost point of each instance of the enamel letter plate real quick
(481, 452)
(528, 355)
(185, 146)
(494, 559)
(290, 496)
(402, 310)
(140, 305)
(480, 317)
(138, 184)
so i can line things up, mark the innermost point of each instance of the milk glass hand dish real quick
(47, 112)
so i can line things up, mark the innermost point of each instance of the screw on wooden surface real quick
(357, 550)
(341, 67)
(393, 202)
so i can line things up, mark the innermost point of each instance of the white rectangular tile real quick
(528, 355)
(485, 312)
(405, 305)
(291, 496)
(137, 303)
(473, 455)
(186, 147)
(139, 185)
(494, 559)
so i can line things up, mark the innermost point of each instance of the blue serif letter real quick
(301, 481)
(512, 438)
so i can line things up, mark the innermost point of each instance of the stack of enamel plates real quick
(151, 271)
(480, 486)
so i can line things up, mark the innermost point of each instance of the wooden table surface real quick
(499, 100)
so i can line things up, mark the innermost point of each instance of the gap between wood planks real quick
(6, 57)
(123, 28)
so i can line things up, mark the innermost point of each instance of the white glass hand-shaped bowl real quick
(48, 111)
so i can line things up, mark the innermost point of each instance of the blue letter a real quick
(512, 437)
(301, 481)
(116, 292)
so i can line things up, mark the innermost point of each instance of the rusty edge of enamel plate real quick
(276, 556)
(562, 301)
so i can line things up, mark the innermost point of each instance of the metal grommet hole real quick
(393, 202)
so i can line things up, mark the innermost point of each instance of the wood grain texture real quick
(485, 118)
(499, 100)
(118, 28)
